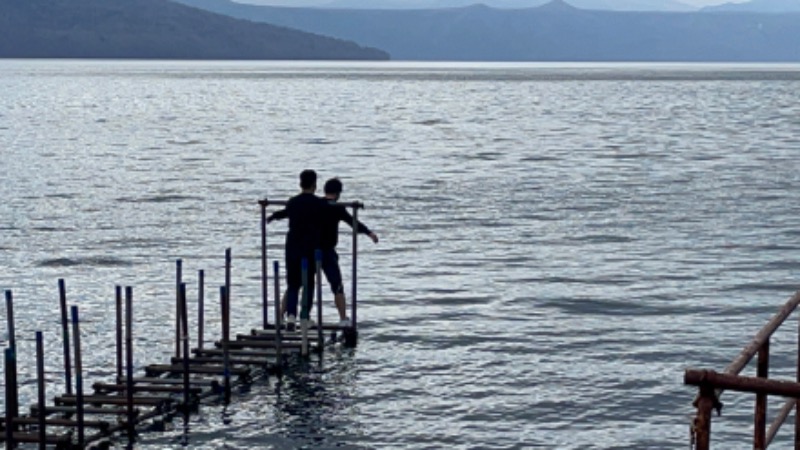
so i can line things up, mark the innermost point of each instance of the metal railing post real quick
(264, 275)
(178, 281)
(797, 404)
(702, 423)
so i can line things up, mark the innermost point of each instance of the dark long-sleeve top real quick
(330, 228)
(328, 224)
(306, 214)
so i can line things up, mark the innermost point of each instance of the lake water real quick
(558, 242)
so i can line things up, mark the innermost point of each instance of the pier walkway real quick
(94, 416)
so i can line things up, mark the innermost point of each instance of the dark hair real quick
(333, 186)
(308, 178)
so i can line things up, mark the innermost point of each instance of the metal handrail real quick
(355, 205)
(712, 384)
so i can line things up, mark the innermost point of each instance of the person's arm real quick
(345, 216)
(278, 215)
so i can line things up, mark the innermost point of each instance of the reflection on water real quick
(558, 243)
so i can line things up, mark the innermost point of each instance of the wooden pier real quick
(90, 417)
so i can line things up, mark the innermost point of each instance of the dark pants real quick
(330, 265)
(294, 281)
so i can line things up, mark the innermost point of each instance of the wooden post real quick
(318, 257)
(264, 280)
(62, 291)
(278, 317)
(225, 346)
(41, 403)
(201, 295)
(119, 332)
(760, 425)
(131, 425)
(178, 281)
(78, 377)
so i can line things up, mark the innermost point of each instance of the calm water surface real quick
(558, 242)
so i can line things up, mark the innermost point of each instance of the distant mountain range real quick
(759, 6)
(154, 29)
(555, 31)
(606, 5)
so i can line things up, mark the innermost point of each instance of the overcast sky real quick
(318, 2)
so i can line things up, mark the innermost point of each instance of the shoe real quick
(290, 323)
(345, 323)
(310, 323)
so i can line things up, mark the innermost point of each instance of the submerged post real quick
(62, 295)
(264, 282)
(78, 377)
(129, 360)
(178, 281)
(41, 399)
(278, 317)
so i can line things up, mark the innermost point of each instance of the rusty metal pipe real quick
(40, 383)
(741, 383)
(763, 336)
(62, 296)
(264, 277)
(779, 420)
(760, 421)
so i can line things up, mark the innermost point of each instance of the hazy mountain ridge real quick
(552, 32)
(767, 6)
(153, 29)
(605, 5)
